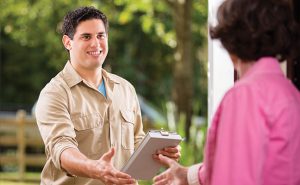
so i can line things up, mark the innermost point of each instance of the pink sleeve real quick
(239, 144)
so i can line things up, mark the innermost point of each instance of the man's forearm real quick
(75, 163)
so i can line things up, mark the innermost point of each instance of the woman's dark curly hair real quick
(252, 29)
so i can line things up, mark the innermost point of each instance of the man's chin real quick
(96, 64)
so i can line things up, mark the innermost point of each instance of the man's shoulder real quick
(56, 84)
(118, 79)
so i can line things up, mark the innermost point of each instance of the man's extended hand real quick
(175, 175)
(171, 152)
(108, 173)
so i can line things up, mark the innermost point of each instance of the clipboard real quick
(141, 165)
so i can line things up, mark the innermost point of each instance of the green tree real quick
(157, 45)
(174, 22)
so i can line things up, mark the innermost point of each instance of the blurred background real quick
(160, 46)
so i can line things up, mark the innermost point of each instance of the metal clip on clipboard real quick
(164, 133)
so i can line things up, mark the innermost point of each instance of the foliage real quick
(192, 152)
(142, 50)
(142, 42)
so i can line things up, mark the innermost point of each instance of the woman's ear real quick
(66, 40)
(235, 61)
(233, 58)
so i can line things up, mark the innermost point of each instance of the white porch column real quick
(220, 68)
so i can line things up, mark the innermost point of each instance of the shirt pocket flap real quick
(86, 121)
(128, 116)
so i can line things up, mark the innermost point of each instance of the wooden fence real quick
(20, 132)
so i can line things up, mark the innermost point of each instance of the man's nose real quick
(95, 42)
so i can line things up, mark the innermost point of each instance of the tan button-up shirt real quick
(71, 113)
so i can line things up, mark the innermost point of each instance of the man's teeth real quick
(95, 52)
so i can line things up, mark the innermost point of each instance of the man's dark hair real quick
(252, 29)
(73, 18)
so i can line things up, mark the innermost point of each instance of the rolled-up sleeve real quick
(192, 176)
(54, 122)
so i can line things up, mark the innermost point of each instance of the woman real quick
(254, 137)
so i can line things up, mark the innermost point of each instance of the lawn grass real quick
(4, 182)
(12, 178)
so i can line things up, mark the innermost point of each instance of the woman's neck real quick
(243, 67)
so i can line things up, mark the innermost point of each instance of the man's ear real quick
(66, 40)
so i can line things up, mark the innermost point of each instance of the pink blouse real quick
(254, 138)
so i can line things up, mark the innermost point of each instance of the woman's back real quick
(254, 136)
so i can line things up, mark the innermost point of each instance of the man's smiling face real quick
(89, 46)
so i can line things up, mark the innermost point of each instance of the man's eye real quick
(101, 36)
(86, 37)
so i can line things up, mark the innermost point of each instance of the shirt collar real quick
(110, 77)
(72, 78)
(70, 75)
(264, 65)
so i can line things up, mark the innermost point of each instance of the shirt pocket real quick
(127, 130)
(86, 121)
(88, 129)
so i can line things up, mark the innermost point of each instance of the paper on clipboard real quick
(141, 165)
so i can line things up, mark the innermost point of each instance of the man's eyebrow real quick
(85, 34)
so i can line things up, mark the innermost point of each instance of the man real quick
(86, 115)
